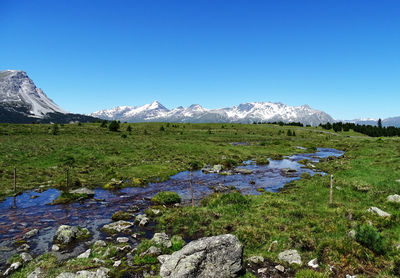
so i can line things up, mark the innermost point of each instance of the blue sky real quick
(342, 57)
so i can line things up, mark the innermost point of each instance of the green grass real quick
(299, 217)
(166, 198)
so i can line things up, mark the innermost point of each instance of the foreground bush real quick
(369, 237)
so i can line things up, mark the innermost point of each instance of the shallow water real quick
(23, 213)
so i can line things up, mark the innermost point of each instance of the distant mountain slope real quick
(393, 121)
(22, 102)
(243, 113)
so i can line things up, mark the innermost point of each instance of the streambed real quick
(24, 212)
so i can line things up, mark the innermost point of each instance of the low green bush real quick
(166, 198)
(369, 237)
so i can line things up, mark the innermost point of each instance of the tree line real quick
(370, 130)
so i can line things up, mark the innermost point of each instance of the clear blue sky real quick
(342, 57)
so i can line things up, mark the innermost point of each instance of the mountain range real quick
(243, 113)
(22, 102)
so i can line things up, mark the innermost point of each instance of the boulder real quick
(393, 198)
(66, 234)
(290, 256)
(102, 272)
(378, 211)
(83, 190)
(55, 248)
(118, 227)
(218, 256)
(162, 239)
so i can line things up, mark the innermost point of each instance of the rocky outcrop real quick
(218, 256)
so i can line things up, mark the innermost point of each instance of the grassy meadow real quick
(299, 217)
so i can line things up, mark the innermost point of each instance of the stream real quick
(22, 213)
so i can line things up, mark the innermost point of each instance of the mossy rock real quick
(66, 198)
(166, 198)
(121, 215)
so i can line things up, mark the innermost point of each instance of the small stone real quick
(162, 239)
(24, 247)
(133, 209)
(352, 234)
(83, 190)
(122, 239)
(12, 268)
(26, 257)
(313, 263)
(290, 256)
(55, 248)
(98, 261)
(124, 248)
(273, 246)
(85, 254)
(152, 251)
(142, 219)
(378, 212)
(117, 264)
(393, 198)
(156, 211)
(256, 260)
(100, 243)
(163, 258)
(280, 268)
(351, 276)
(31, 233)
(262, 270)
(119, 226)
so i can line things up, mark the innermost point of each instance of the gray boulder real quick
(152, 251)
(290, 256)
(12, 268)
(218, 256)
(142, 219)
(256, 260)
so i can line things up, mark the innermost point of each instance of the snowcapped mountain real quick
(17, 88)
(22, 102)
(243, 113)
